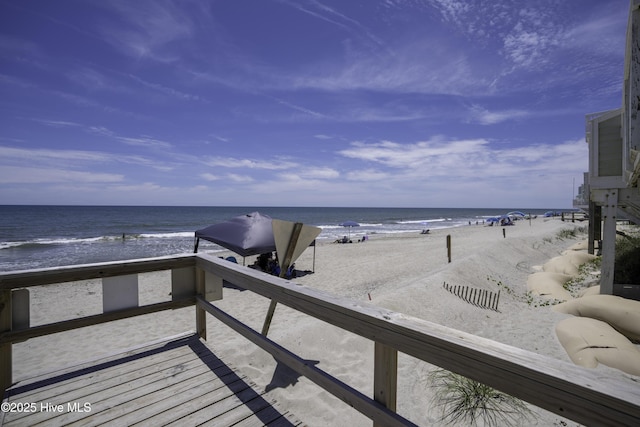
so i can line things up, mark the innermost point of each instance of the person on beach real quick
(263, 261)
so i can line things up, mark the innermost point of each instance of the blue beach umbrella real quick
(350, 224)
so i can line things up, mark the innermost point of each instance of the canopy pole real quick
(267, 319)
(195, 247)
(297, 227)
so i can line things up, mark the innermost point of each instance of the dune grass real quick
(465, 402)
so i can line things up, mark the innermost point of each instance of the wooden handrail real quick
(47, 276)
(82, 322)
(557, 386)
(560, 387)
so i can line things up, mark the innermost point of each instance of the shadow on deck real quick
(175, 381)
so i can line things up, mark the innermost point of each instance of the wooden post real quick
(313, 268)
(598, 229)
(595, 226)
(201, 314)
(592, 228)
(609, 243)
(6, 364)
(284, 266)
(385, 377)
(504, 233)
(449, 247)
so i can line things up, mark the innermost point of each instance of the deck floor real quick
(174, 382)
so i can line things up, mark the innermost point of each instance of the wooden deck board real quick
(175, 382)
(104, 397)
(41, 381)
(113, 377)
(169, 408)
(219, 406)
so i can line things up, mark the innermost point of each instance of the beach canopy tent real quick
(246, 235)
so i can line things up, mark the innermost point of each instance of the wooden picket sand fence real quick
(478, 297)
(197, 279)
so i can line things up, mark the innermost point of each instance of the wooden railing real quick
(567, 390)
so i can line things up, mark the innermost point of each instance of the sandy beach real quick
(403, 273)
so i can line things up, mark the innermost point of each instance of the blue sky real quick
(434, 103)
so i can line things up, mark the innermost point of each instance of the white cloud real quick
(527, 32)
(57, 123)
(486, 117)
(220, 138)
(451, 10)
(320, 173)
(367, 175)
(72, 159)
(29, 175)
(528, 48)
(312, 173)
(466, 159)
(48, 156)
(239, 178)
(209, 177)
(141, 141)
(141, 190)
(326, 13)
(168, 90)
(299, 108)
(147, 29)
(418, 155)
(421, 67)
(378, 114)
(145, 141)
(91, 79)
(231, 162)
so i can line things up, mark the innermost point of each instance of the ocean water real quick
(49, 236)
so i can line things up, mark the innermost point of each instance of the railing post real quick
(201, 314)
(6, 364)
(209, 287)
(385, 376)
